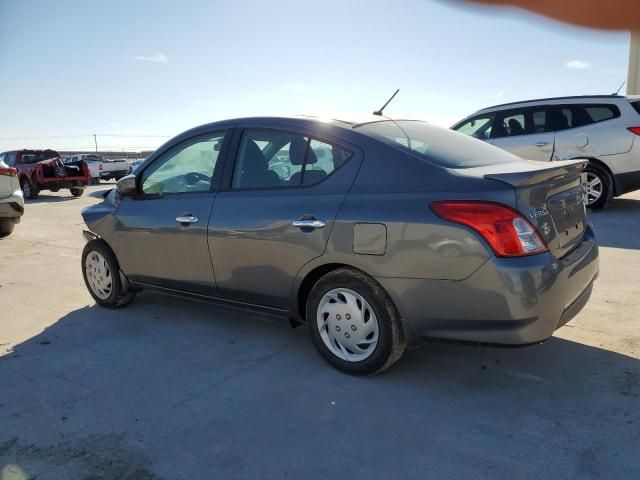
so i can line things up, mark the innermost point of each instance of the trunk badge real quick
(540, 212)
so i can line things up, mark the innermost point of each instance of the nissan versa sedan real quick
(373, 234)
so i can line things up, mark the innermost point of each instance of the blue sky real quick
(137, 69)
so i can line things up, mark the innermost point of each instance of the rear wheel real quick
(101, 275)
(353, 323)
(6, 227)
(597, 185)
(28, 189)
(76, 191)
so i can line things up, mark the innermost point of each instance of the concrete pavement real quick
(169, 389)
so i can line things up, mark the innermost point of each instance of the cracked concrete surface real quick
(167, 388)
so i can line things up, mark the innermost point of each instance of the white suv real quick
(11, 200)
(602, 129)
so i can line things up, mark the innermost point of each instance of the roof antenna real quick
(379, 112)
(618, 91)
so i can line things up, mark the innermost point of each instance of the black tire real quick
(607, 186)
(29, 190)
(119, 296)
(76, 191)
(6, 227)
(391, 343)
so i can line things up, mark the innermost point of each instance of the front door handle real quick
(310, 223)
(187, 219)
(542, 144)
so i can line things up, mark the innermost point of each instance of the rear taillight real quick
(508, 233)
(8, 171)
(635, 130)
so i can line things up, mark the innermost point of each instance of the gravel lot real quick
(172, 389)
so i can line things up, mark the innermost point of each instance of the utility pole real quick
(95, 140)
(633, 77)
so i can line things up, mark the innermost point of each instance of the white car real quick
(135, 163)
(602, 129)
(11, 200)
(94, 162)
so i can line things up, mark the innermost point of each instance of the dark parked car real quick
(44, 170)
(402, 230)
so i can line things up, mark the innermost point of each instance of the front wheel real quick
(101, 275)
(76, 192)
(597, 185)
(353, 323)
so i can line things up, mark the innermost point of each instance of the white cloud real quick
(577, 65)
(114, 124)
(157, 58)
(296, 87)
(497, 95)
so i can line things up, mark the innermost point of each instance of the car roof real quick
(301, 121)
(555, 99)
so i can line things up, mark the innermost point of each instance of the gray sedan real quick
(373, 234)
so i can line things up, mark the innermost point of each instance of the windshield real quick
(438, 145)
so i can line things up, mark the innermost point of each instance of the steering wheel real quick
(192, 178)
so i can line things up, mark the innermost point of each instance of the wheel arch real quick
(308, 278)
(603, 165)
(93, 237)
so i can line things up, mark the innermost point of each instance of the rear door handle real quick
(187, 219)
(310, 223)
(542, 144)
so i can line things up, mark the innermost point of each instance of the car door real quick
(161, 233)
(282, 196)
(524, 132)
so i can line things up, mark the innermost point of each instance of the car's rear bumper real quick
(511, 301)
(62, 182)
(12, 206)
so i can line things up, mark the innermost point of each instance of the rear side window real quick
(563, 117)
(278, 159)
(10, 159)
(601, 113)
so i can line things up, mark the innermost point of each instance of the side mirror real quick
(127, 186)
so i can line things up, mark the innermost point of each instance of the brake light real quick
(8, 171)
(635, 130)
(508, 233)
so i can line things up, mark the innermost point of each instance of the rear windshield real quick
(35, 157)
(437, 145)
(636, 105)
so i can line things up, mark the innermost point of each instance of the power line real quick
(86, 135)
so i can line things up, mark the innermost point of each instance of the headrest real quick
(297, 150)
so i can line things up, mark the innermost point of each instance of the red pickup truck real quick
(44, 170)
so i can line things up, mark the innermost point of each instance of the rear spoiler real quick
(536, 176)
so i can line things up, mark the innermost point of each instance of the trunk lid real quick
(549, 195)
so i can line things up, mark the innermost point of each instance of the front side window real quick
(477, 127)
(186, 168)
(276, 159)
